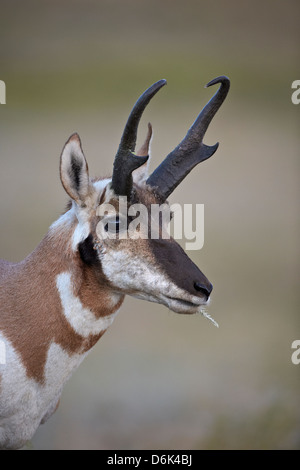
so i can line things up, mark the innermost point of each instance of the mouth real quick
(184, 304)
(187, 307)
(178, 305)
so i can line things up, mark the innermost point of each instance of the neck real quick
(62, 303)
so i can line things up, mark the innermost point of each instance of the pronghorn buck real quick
(58, 302)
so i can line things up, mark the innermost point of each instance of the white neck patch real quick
(82, 320)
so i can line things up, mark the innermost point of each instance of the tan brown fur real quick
(58, 302)
(33, 317)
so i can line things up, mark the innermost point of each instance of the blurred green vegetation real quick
(272, 428)
(65, 55)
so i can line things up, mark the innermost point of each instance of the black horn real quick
(126, 161)
(191, 150)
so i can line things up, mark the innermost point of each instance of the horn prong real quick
(126, 161)
(191, 149)
(144, 149)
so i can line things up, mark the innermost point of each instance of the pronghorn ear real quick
(74, 173)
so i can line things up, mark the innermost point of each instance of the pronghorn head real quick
(116, 235)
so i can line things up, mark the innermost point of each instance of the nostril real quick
(206, 290)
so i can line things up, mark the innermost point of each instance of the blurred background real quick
(158, 380)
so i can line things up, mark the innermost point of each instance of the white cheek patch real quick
(81, 232)
(136, 274)
(82, 320)
(144, 281)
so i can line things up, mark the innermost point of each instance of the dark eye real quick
(115, 225)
